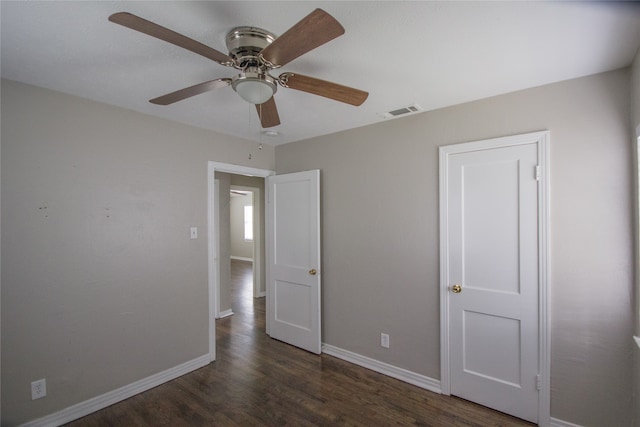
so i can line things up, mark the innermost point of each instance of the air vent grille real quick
(411, 109)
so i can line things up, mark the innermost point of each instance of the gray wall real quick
(239, 246)
(380, 259)
(635, 127)
(635, 92)
(101, 285)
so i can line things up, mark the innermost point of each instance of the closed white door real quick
(293, 271)
(492, 273)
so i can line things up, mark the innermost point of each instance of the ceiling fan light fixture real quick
(254, 87)
(255, 52)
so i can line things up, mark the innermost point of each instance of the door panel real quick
(294, 303)
(491, 225)
(293, 269)
(493, 254)
(291, 200)
(498, 361)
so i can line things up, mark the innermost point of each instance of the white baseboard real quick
(240, 258)
(225, 313)
(107, 399)
(261, 294)
(401, 374)
(554, 422)
(407, 376)
(100, 402)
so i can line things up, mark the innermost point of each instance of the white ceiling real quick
(433, 54)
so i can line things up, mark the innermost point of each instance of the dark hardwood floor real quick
(257, 381)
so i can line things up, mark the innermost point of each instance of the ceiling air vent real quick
(411, 109)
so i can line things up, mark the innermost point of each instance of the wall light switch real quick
(194, 232)
(384, 340)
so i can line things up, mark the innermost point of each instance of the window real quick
(248, 223)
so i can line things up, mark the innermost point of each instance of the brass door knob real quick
(456, 289)
(312, 272)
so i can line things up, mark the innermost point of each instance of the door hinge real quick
(537, 172)
(538, 382)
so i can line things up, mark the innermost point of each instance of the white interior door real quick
(293, 270)
(492, 277)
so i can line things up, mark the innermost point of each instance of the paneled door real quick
(293, 270)
(491, 275)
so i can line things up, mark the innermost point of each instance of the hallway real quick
(248, 317)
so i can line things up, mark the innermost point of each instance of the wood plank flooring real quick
(257, 381)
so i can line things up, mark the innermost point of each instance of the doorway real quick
(239, 226)
(247, 222)
(293, 228)
(214, 253)
(494, 240)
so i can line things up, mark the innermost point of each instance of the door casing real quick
(213, 272)
(541, 139)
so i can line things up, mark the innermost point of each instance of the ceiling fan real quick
(255, 53)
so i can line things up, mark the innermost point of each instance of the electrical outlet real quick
(38, 389)
(194, 232)
(384, 340)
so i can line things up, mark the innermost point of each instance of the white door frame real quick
(542, 141)
(213, 247)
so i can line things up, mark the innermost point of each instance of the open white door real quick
(293, 259)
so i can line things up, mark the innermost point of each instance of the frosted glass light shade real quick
(254, 91)
(254, 85)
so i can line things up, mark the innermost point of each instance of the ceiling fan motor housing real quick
(246, 43)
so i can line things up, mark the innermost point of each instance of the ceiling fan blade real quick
(312, 31)
(268, 113)
(190, 91)
(154, 30)
(324, 88)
